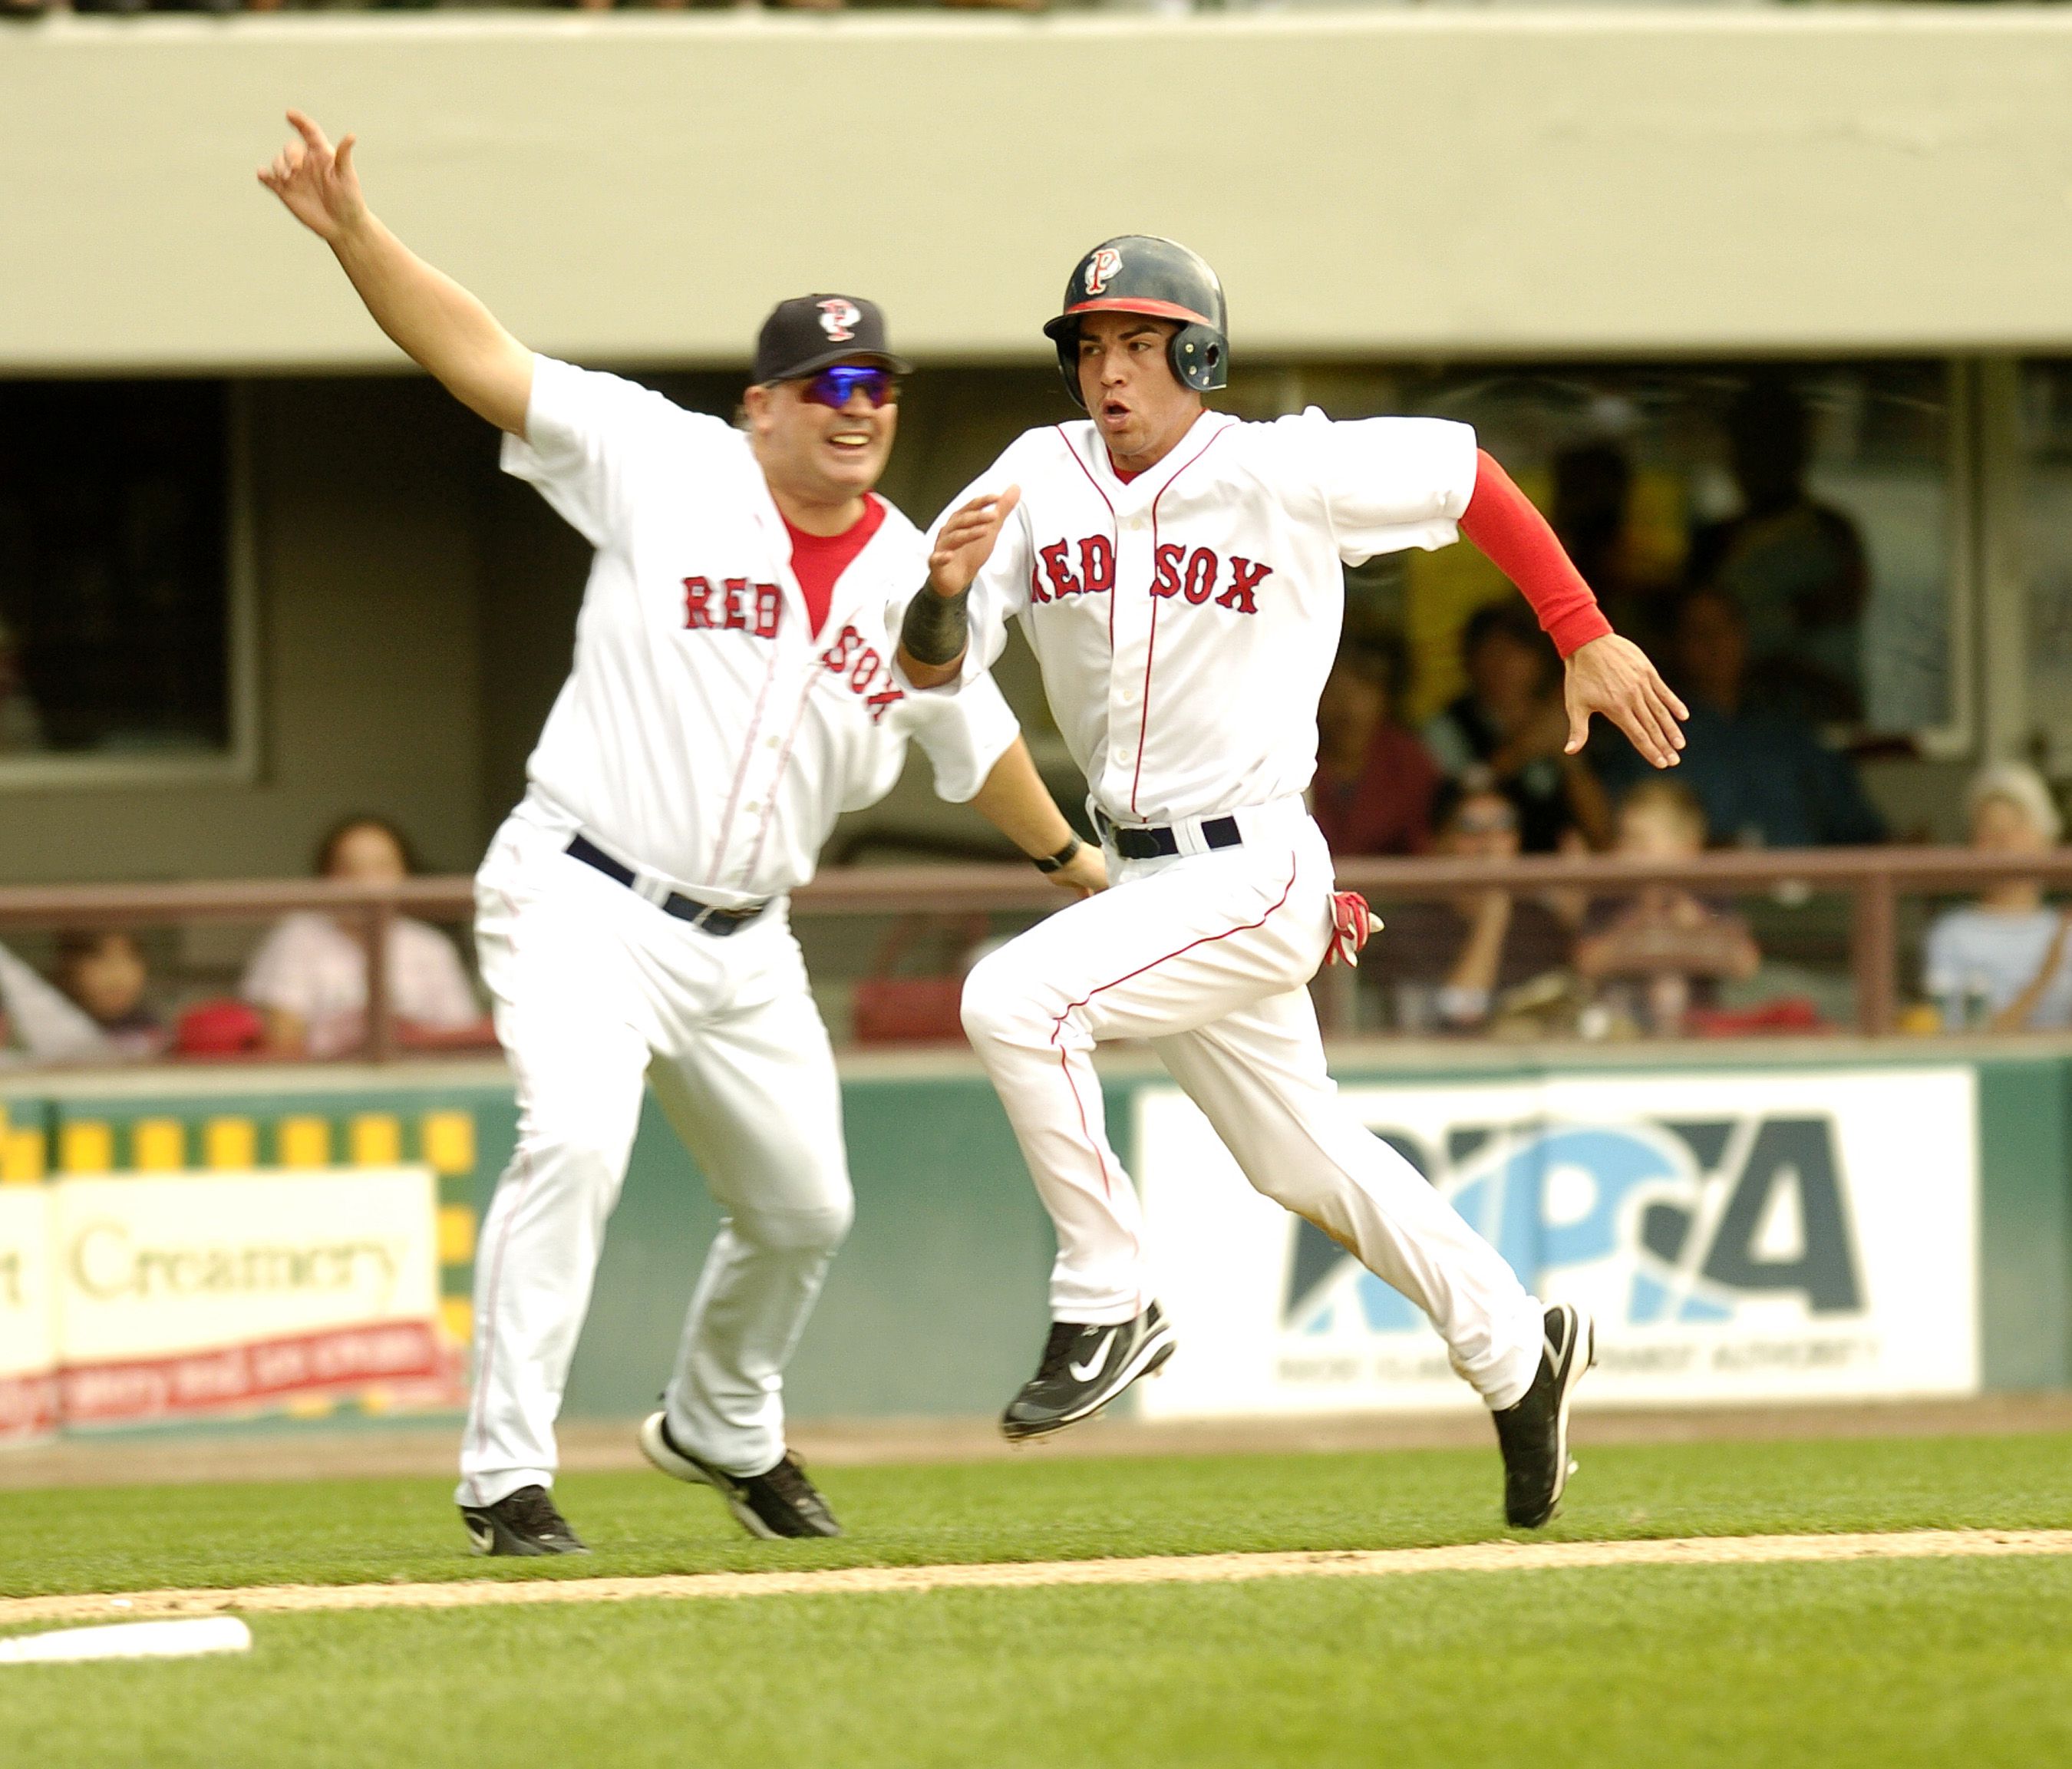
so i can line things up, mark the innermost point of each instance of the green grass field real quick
(1885, 1664)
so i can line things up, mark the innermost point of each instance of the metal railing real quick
(1873, 878)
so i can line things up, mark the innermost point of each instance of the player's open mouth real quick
(1113, 411)
(851, 441)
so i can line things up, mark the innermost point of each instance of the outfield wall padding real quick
(936, 1305)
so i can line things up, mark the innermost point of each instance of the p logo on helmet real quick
(1140, 273)
(838, 319)
(1102, 264)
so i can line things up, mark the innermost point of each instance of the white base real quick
(130, 1640)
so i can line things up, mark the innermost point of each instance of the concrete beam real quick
(640, 188)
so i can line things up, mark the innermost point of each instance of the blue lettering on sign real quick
(1642, 1186)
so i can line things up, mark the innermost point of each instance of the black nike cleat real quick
(1085, 1366)
(523, 1522)
(1534, 1434)
(779, 1502)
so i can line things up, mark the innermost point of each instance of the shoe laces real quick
(533, 1511)
(788, 1480)
(1058, 1349)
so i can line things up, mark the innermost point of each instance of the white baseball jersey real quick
(1185, 621)
(705, 733)
(708, 737)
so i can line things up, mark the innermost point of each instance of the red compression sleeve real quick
(1501, 520)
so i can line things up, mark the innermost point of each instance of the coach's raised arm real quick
(437, 323)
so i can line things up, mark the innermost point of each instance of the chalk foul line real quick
(1156, 1569)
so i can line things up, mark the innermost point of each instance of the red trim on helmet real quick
(1156, 310)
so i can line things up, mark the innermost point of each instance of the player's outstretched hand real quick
(1613, 676)
(964, 542)
(317, 181)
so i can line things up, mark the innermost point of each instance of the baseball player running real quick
(1177, 574)
(732, 693)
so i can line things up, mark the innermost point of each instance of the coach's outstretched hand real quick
(1613, 676)
(439, 325)
(317, 181)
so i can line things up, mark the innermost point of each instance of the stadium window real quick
(1821, 496)
(2046, 551)
(124, 591)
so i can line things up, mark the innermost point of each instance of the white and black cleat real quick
(524, 1522)
(779, 1502)
(1085, 1365)
(1534, 1434)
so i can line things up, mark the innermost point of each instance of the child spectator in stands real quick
(1375, 779)
(1447, 965)
(2003, 963)
(39, 1024)
(1658, 956)
(1761, 772)
(310, 975)
(1511, 722)
(103, 973)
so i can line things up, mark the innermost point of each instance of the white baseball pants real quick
(594, 988)
(1208, 955)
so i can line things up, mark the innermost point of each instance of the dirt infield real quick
(427, 1448)
(1174, 1570)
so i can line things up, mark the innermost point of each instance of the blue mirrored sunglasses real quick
(838, 385)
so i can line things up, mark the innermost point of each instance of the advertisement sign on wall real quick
(191, 1294)
(28, 1319)
(1754, 1236)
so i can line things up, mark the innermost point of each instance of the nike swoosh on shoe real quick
(1086, 1372)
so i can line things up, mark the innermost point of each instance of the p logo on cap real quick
(1101, 267)
(838, 319)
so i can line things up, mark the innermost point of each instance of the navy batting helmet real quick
(1139, 273)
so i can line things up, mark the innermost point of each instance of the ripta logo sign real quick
(1700, 1222)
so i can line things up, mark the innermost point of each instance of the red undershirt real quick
(818, 561)
(1501, 520)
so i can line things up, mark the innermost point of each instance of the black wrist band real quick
(1058, 862)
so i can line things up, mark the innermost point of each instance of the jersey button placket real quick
(1131, 623)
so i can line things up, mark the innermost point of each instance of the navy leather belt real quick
(1157, 842)
(719, 923)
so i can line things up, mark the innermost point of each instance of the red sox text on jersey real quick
(758, 608)
(1192, 572)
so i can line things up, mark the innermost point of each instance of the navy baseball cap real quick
(804, 334)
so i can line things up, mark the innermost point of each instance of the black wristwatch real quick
(1058, 862)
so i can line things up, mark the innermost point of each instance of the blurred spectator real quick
(2002, 962)
(102, 972)
(1763, 774)
(1795, 568)
(21, 725)
(1592, 514)
(38, 1022)
(310, 975)
(1663, 953)
(1375, 779)
(1511, 722)
(1447, 965)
